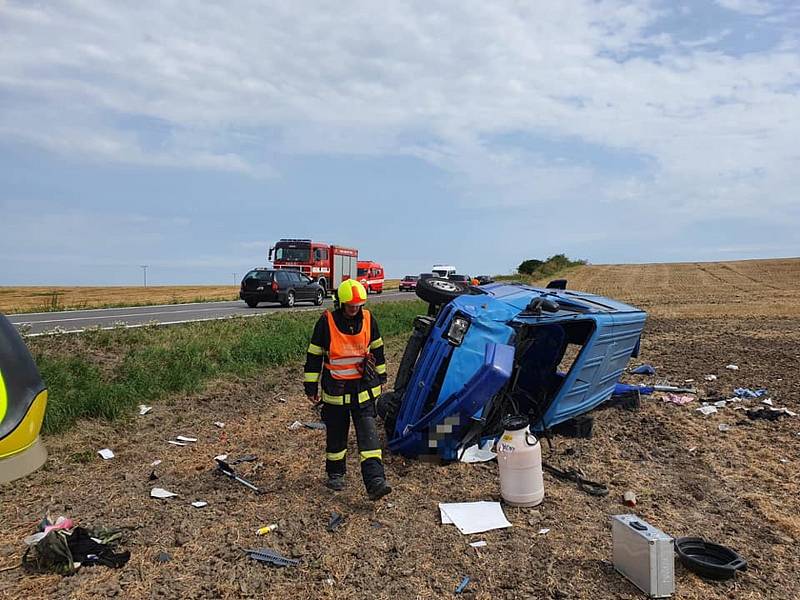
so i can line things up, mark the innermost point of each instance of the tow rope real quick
(588, 486)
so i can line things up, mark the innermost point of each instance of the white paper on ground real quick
(183, 438)
(219, 424)
(474, 517)
(106, 453)
(474, 454)
(199, 504)
(161, 493)
(478, 544)
(143, 410)
(544, 531)
(707, 410)
(174, 443)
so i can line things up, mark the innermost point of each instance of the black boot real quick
(335, 482)
(378, 488)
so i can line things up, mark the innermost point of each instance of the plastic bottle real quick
(519, 456)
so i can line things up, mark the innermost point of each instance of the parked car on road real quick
(426, 276)
(484, 279)
(485, 353)
(460, 278)
(286, 286)
(409, 283)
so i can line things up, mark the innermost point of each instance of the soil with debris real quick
(738, 487)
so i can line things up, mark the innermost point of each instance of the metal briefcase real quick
(644, 554)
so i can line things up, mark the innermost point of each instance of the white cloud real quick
(225, 87)
(748, 7)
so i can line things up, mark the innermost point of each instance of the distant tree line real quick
(536, 268)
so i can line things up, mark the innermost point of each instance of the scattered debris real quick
(174, 443)
(163, 557)
(152, 476)
(266, 529)
(680, 400)
(312, 425)
(228, 471)
(629, 498)
(710, 377)
(295, 425)
(221, 457)
(732, 367)
(106, 453)
(199, 503)
(692, 449)
(478, 544)
(463, 585)
(219, 424)
(644, 370)
(784, 460)
(244, 459)
(724, 427)
(63, 547)
(707, 410)
(474, 517)
(143, 410)
(543, 531)
(766, 413)
(768, 402)
(155, 463)
(475, 454)
(161, 493)
(269, 556)
(748, 393)
(335, 521)
(721, 403)
(183, 438)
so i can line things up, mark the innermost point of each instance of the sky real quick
(189, 136)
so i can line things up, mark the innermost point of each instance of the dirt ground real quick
(738, 487)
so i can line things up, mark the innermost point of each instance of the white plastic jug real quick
(519, 456)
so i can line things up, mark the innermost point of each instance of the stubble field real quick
(738, 487)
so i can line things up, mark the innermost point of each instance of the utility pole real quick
(235, 279)
(144, 271)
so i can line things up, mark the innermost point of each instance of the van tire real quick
(436, 290)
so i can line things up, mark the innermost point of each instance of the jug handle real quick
(527, 441)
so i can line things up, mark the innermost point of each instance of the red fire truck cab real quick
(327, 264)
(370, 274)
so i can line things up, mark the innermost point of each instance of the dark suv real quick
(279, 285)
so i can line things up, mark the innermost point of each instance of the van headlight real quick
(457, 330)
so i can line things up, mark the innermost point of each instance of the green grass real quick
(106, 374)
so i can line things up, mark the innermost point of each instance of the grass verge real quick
(106, 374)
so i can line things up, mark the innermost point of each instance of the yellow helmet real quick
(352, 292)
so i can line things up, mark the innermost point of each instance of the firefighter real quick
(346, 352)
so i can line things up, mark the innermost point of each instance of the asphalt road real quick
(73, 321)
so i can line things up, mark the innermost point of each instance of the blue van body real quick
(511, 360)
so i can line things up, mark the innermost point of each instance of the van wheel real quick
(435, 290)
(289, 302)
(252, 303)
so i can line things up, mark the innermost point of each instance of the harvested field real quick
(739, 487)
(47, 299)
(43, 299)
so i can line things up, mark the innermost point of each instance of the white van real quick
(443, 271)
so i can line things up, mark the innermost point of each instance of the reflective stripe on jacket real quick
(347, 352)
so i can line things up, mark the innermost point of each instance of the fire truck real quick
(327, 264)
(370, 274)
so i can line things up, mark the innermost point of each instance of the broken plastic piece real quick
(629, 498)
(267, 555)
(644, 370)
(219, 424)
(266, 529)
(732, 367)
(478, 544)
(174, 443)
(724, 427)
(463, 585)
(161, 493)
(710, 378)
(106, 453)
(143, 410)
(707, 410)
(199, 503)
(544, 531)
(183, 438)
(335, 521)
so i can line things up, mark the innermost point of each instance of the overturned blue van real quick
(483, 353)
